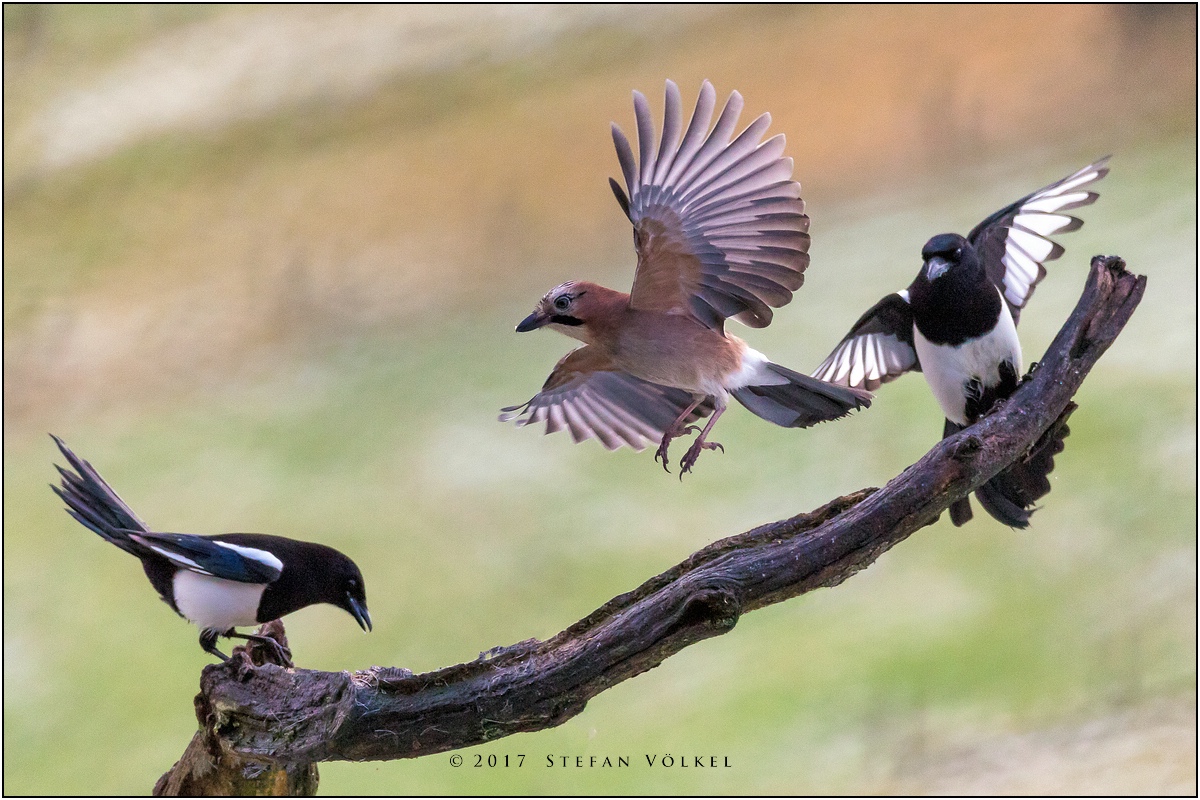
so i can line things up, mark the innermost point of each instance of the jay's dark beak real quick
(358, 610)
(534, 321)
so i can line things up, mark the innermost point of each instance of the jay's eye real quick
(562, 303)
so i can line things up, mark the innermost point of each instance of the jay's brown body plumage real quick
(720, 231)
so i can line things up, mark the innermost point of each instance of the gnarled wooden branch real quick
(263, 728)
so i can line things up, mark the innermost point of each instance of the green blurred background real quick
(262, 266)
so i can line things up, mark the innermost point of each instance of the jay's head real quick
(568, 308)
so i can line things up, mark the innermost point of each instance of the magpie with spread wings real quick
(957, 324)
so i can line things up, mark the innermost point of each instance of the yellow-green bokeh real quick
(297, 319)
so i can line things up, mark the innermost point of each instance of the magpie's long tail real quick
(92, 502)
(798, 401)
(1010, 495)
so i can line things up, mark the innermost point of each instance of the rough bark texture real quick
(263, 728)
(210, 766)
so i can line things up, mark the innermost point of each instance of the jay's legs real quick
(678, 428)
(693, 453)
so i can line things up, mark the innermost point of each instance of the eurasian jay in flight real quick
(720, 231)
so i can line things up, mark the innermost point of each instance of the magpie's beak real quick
(534, 321)
(936, 267)
(358, 609)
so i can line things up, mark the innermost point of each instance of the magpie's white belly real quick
(215, 602)
(948, 369)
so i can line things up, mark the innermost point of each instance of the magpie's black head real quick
(354, 596)
(342, 585)
(312, 573)
(947, 253)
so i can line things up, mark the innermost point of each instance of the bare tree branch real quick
(267, 726)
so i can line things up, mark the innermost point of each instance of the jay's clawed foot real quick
(674, 432)
(693, 453)
(701, 443)
(680, 428)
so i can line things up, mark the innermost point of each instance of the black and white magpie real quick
(957, 323)
(218, 582)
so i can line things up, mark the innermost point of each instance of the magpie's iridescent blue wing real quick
(211, 557)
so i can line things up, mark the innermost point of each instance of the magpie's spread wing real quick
(1014, 242)
(719, 226)
(590, 397)
(879, 347)
(211, 557)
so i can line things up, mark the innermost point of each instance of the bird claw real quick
(262, 648)
(693, 454)
(272, 651)
(673, 433)
(661, 453)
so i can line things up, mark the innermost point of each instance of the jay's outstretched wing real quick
(719, 226)
(590, 397)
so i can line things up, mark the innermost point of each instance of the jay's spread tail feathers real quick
(798, 401)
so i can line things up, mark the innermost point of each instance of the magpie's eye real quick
(957, 254)
(562, 303)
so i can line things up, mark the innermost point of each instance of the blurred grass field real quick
(297, 319)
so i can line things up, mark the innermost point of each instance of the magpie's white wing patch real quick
(1014, 242)
(866, 361)
(211, 557)
(268, 560)
(879, 347)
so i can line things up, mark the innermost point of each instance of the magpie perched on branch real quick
(218, 582)
(957, 323)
